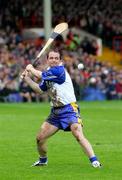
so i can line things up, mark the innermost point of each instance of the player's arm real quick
(34, 71)
(32, 84)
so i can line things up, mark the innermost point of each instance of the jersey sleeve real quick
(54, 74)
(43, 85)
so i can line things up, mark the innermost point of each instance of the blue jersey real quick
(57, 83)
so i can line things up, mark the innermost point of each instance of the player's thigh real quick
(47, 130)
(77, 130)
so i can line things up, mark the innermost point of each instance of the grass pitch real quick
(19, 124)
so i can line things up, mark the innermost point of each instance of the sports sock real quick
(92, 159)
(43, 159)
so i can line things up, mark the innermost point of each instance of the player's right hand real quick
(29, 67)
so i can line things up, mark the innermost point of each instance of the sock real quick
(43, 159)
(92, 159)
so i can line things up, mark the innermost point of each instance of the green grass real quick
(19, 124)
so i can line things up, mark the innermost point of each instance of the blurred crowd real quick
(96, 81)
(102, 18)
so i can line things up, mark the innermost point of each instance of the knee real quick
(78, 137)
(77, 132)
(40, 138)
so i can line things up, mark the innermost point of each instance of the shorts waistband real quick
(58, 107)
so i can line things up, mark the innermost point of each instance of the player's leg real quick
(78, 134)
(77, 131)
(46, 131)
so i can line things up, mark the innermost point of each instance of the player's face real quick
(54, 59)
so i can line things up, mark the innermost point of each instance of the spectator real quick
(119, 88)
(92, 92)
(25, 92)
(111, 90)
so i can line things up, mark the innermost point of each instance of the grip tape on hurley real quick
(54, 35)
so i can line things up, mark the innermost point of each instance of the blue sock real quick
(92, 159)
(43, 159)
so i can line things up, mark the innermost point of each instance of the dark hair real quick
(56, 50)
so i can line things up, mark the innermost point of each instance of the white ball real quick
(80, 66)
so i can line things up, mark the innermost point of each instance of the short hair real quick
(56, 50)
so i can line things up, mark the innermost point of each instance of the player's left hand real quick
(22, 75)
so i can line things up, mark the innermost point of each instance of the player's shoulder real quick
(57, 70)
